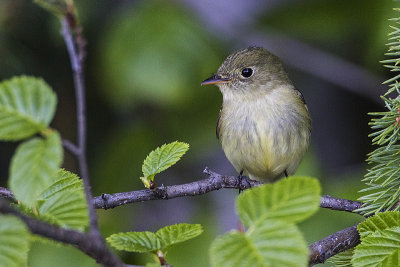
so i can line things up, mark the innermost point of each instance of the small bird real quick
(264, 125)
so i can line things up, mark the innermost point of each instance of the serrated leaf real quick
(342, 259)
(14, 242)
(63, 203)
(272, 243)
(163, 157)
(378, 249)
(135, 241)
(291, 200)
(177, 233)
(27, 106)
(150, 242)
(33, 167)
(64, 181)
(379, 222)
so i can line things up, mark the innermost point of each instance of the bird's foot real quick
(243, 182)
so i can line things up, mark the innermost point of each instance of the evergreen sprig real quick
(383, 178)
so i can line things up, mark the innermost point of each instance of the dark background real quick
(145, 63)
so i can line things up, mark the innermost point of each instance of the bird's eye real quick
(247, 72)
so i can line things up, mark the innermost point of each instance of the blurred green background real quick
(145, 63)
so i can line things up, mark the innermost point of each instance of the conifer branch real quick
(383, 178)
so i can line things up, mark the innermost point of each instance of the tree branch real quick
(7, 194)
(331, 245)
(201, 187)
(76, 53)
(340, 204)
(87, 243)
(320, 250)
(215, 182)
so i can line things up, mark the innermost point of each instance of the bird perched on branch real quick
(263, 125)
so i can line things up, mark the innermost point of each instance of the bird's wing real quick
(300, 95)
(218, 123)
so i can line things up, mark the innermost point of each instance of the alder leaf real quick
(151, 242)
(34, 166)
(64, 203)
(378, 249)
(135, 241)
(27, 106)
(290, 200)
(161, 159)
(268, 243)
(177, 233)
(14, 242)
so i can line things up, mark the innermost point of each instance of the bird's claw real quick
(243, 182)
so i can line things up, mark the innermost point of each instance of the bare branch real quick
(331, 245)
(71, 147)
(87, 243)
(76, 51)
(320, 250)
(7, 194)
(201, 187)
(333, 203)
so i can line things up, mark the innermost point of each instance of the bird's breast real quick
(264, 137)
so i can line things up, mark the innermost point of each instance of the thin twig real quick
(71, 147)
(84, 242)
(331, 245)
(77, 54)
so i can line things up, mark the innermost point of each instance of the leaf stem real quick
(161, 258)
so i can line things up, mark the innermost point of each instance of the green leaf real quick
(379, 249)
(135, 241)
(150, 242)
(379, 222)
(27, 106)
(14, 242)
(33, 167)
(342, 259)
(291, 200)
(153, 264)
(63, 203)
(161, 159)
(177, 233)
(270, 243)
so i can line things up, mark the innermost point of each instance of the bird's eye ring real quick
(247, 72)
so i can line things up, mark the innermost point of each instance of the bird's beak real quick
(215, 79)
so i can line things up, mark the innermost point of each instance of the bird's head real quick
(253, 70)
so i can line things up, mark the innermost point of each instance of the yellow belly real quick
(264, 139)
